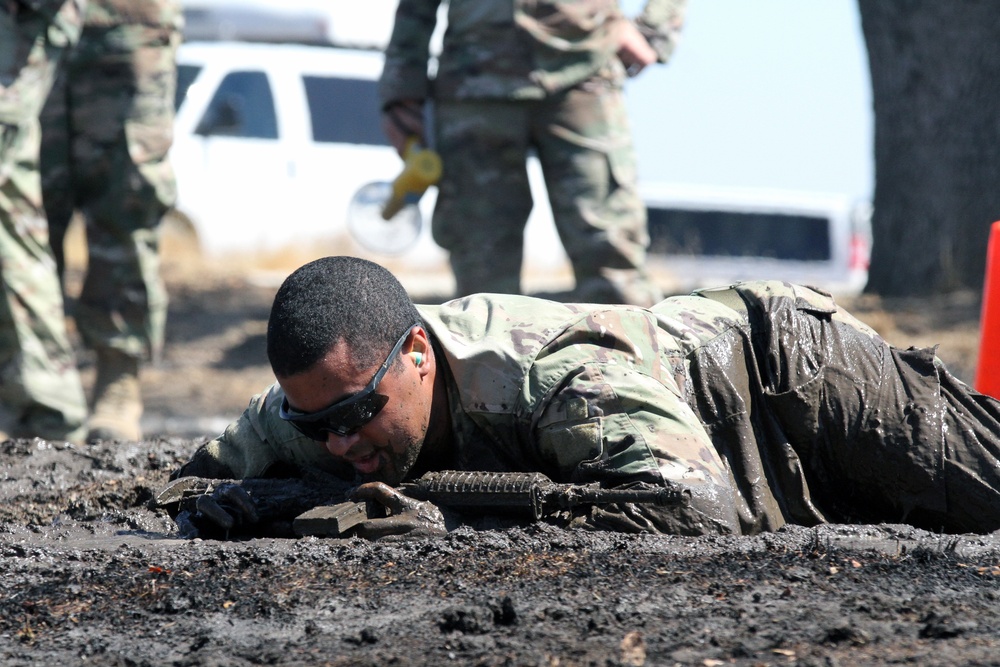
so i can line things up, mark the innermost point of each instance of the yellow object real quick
(421, 169)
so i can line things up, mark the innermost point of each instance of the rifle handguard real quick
(528, 492)
(520, 493)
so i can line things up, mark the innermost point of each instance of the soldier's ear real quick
(419, 345)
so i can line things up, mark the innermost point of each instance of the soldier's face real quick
(385, 448)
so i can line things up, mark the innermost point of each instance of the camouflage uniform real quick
(516, 76)
(767, 401)
(40, 390)
(107, 128)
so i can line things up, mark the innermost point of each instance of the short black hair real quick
(333, 299)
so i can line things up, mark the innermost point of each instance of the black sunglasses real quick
(348, 415)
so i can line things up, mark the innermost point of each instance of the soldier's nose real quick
(339, 445)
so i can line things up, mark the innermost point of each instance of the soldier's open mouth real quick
(366, 465)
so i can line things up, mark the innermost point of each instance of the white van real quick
(708, 236)
(272, 140)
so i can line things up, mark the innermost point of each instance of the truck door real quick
(244, 179)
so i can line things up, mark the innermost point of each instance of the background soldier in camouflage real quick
(517, 76)
(40, 390)
(106, 130)
(765, 401)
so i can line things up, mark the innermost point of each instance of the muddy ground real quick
(90, 575)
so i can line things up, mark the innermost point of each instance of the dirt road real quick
(92, 576)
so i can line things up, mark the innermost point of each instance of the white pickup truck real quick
(272, 141)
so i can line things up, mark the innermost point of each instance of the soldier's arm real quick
(618, 418)
(404, 75)
(660, 22)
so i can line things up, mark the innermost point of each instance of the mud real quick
(92, 576)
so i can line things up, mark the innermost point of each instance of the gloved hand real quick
(407, 516)
(214, 513)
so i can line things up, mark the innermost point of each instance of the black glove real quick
(221, 509)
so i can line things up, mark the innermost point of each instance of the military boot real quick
(117, 404)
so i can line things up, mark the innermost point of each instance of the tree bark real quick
(935, 70)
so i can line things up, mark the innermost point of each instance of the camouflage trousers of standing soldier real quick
(40, 390)
(583, 142)
(107, 128)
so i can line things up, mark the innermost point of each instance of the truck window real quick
(242, 106)
(186, 74)
(796, 237)
(344, 110)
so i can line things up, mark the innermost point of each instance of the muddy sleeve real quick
(404, 75)
(611, 423)
(660, 23)
(240, 451)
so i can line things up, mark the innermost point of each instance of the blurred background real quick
(762, 118)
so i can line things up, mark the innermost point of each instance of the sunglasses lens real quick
(311, 430)
(345, 421)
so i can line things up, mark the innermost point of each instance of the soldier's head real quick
(348, 348)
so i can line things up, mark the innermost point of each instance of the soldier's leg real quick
(56, 166)
(585, 147)
(483, 198)
(889, 434)
(122, 128)
(40, 391)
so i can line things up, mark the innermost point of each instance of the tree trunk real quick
(935, 69)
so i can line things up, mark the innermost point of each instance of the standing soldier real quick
(106, 130)
(515, 76)
(40, 390)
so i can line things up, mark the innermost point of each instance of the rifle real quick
(531, 495)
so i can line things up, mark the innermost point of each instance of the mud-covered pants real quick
(819, 419)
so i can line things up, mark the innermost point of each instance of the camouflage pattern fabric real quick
(107, 127)
(768, 402)
(40, 390)
(582, 138)
(515, 76)
(515, 49)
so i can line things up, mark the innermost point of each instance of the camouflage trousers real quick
(816, 418)
(583, 142)
(40, 390)
(107, 127)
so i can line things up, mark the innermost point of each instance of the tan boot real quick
(117, 400)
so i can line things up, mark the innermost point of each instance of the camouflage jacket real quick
(515, 49)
